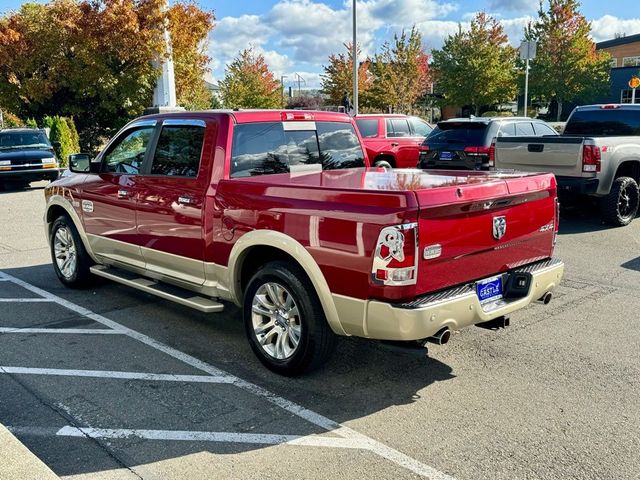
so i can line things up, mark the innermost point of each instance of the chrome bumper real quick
(454, 308)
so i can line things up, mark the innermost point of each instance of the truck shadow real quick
(362, 378)
(581, 217)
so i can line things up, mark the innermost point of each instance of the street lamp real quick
(282, 77)
(354, 55)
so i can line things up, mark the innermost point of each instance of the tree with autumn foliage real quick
(567, 65)
(338, 77)
(189, 27)
(248, 83)
(477, 67)
(93, 59)
(400, 73)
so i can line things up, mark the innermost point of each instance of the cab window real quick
(524, 129)
(398, 127)
(128, 154)
(178, 152)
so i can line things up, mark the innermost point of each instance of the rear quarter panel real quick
(615, 152)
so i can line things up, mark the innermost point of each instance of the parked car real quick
(279, 212)
(598, 154)
(26, 156)
(466, 143)
(392, 141)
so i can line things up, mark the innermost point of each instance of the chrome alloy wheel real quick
(276, 320)
(64, 250)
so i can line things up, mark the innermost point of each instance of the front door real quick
(171, 196)
(109, 198)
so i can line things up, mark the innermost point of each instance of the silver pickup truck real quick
(598, 154)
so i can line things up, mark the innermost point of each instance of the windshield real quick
(604, 123)
(32, 139)
(465, 133)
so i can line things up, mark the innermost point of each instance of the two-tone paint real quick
(327, 222)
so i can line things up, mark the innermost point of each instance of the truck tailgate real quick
(559, 155)
(464, 224)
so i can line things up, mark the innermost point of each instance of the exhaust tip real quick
(441, 337)
(546, 298)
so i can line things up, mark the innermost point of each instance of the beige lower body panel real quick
(384, 321)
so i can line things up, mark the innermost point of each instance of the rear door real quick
(109, 198)
(403, 144)
(171, 196)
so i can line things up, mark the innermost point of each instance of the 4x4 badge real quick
(499, 227)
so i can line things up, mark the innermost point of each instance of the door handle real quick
(185, 200)
(123, 193)
(394, 144)
(535, 148)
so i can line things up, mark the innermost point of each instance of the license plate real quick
(446, 156)
(489, 290)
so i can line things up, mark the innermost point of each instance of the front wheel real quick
(284, 320)
(71, 261)
(621, 205)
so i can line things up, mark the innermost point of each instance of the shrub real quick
(62, 130)
(31, 123)
(11, 120)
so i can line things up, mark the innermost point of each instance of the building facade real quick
(625, 63)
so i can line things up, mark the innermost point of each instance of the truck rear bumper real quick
(577, 185)
(454, 308)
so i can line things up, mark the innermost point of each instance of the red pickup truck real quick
(280, 213)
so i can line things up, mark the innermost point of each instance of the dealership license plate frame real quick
(487, 297)
(446, 156)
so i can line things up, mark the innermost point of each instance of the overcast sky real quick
(298, 35)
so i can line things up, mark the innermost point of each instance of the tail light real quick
(556, 221)
(395, 259)
(475, 151)
(591, 158)
(286, 116)
(492, 153)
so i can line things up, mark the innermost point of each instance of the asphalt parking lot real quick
(112, 383)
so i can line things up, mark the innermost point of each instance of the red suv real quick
(393, 141)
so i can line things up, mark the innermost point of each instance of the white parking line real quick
(317, 419)
(69, 331)
(25, 300)
(195, 436)
(156, 377)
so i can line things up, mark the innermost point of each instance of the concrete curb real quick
(18, 463)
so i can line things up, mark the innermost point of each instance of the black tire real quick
(621, 205)
(79, 276)
(316, 339)
(383, 163)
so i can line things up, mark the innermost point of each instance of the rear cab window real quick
(602, 122)
(265, 148)
(179, 149)
(368, 127)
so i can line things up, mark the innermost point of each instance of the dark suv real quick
(26, 156)
(467, 143)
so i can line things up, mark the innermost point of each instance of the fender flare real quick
(66, 205)
(299, 253)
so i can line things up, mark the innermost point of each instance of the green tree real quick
(248, 83)
(337, 78)
(400, 73)
(567, 65)
(476, 67)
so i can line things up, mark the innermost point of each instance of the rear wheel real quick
(71, 261)
(383, 163)
(621, 205)
(284, 320)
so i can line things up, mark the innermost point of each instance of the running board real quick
(159, 289)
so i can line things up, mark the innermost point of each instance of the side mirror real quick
(79, 162)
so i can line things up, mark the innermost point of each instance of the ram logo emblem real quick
(499, 227)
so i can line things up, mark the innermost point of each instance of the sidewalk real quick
(18, 463)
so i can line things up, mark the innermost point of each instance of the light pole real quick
(527, 52)
(354, 55)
